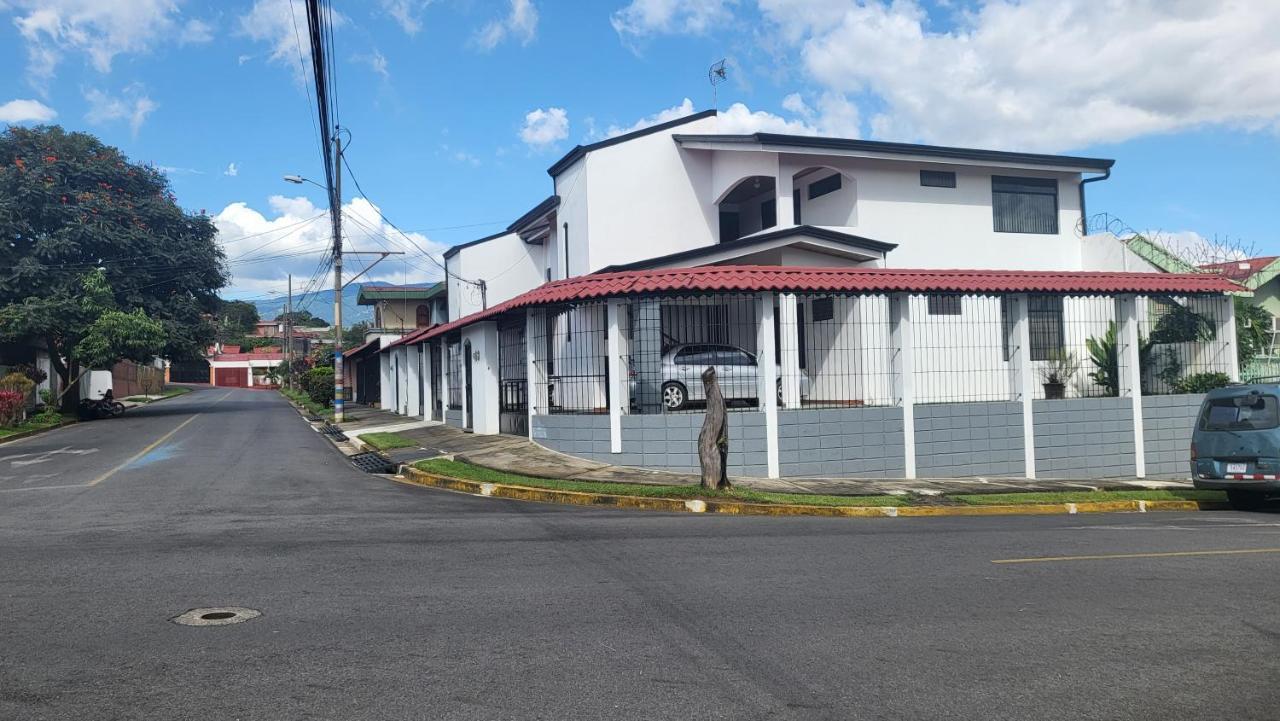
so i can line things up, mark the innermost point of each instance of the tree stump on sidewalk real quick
(713, 441)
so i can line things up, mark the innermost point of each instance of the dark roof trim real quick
(454, 250)
(373, 293)
(879, 146)
(852, 241)
(538, 211)
(578, 151)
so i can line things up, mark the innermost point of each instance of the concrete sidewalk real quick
(514, 454)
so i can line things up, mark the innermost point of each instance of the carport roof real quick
(755, 278)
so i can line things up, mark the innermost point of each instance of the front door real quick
(466, 351)
(437, 385)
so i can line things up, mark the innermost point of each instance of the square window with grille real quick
(944, 305)
(1024, 205)
(937, 179)
(1045, 326)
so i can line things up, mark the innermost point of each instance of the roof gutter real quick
(1084, 215)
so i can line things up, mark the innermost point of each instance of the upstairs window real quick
(1024, 205)
(424, 316)
(937, 179)
(827, 185)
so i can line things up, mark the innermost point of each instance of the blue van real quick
(1235, 446)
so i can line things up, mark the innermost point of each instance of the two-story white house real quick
(828, 281)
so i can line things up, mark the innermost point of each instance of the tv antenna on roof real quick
(716, 74)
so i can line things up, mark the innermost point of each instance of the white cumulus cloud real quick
(674, 112)
(132, 105)
(231, 171)
(98, 29)
(1040, 74)
(738, 119)
(284, 28)
(264, 247)
(544, 127)
(520, 23)
(26, 111)
(406, 13)
(643, 18)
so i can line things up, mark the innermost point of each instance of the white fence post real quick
(1227, 333)
(766, 388)
(1021, 372)
(535, 385)
(617, 376)
(1129, 372)
(788, 334)
(903, 371)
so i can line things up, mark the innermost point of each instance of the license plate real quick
(1237, 467)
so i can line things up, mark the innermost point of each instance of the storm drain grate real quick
(372, 463)
(333, 432)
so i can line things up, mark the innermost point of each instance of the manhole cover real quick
(220, 616)
(372, 463)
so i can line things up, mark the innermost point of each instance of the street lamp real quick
(299, 180)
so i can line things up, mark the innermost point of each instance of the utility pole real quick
(335, 210)
(288, 336)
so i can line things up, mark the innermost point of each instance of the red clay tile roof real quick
(1241, 270)
(754, 278)
(229, 357)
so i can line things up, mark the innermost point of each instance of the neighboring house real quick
(1262, 276)
(778, 260)
(397, 310)
(233, 369)
(268, 329)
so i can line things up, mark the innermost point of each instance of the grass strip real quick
(305, 401)
(1008, 499)
(35, 423)
(469, 472)
(387, 441)
(168, 393)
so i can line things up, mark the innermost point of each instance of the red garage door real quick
(234, 377)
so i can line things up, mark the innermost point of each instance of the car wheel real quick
(674, 396)
(779, 391)
(1246, 500)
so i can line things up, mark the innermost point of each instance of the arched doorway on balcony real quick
(750, 206)
(824, 196)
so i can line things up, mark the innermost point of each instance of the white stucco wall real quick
(507, 264)
(1104, 251)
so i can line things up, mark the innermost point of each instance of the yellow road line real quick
(142, 452)
(1167, 554)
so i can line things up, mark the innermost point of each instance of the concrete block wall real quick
(969, 439)
(666, 441)
(1167, 422)
(852, 442)
(453, 418)
(583, 435)
(1084, 438)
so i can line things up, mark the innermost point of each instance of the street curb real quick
(739, 508)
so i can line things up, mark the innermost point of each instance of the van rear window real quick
(1238, 414)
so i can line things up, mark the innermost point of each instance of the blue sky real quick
(456, 108)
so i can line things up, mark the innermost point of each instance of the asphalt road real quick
(381, 600)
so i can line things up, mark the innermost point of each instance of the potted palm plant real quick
(1057, 373)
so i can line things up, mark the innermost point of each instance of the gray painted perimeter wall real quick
(1084, 438)
(955, 440)
(667, 442)
(1167, 422)
(853, 442)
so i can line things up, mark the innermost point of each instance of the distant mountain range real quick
(320, 304)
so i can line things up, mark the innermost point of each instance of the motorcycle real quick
(97, 408)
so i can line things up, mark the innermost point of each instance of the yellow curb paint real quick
(740, 508)
(1113, 556)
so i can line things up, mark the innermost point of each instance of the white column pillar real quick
(618, 379)
(536, 381)
(1229, 354)
(767, 371)
(424, 372)
(782, 184)
(1021, 373)
(444, 377)
(413, 377)
(384, 380)
(1129, 372)
(249, 382)
(903, 343)
(484, 377)
(789, 343)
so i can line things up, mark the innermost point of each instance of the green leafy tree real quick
(238, 317)
(86, 231)
(1253, 326)
(304, 319)
(353, 335)
(117, 335)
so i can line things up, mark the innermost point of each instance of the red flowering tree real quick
(70, 206)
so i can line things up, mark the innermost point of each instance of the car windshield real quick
(1240, 414)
